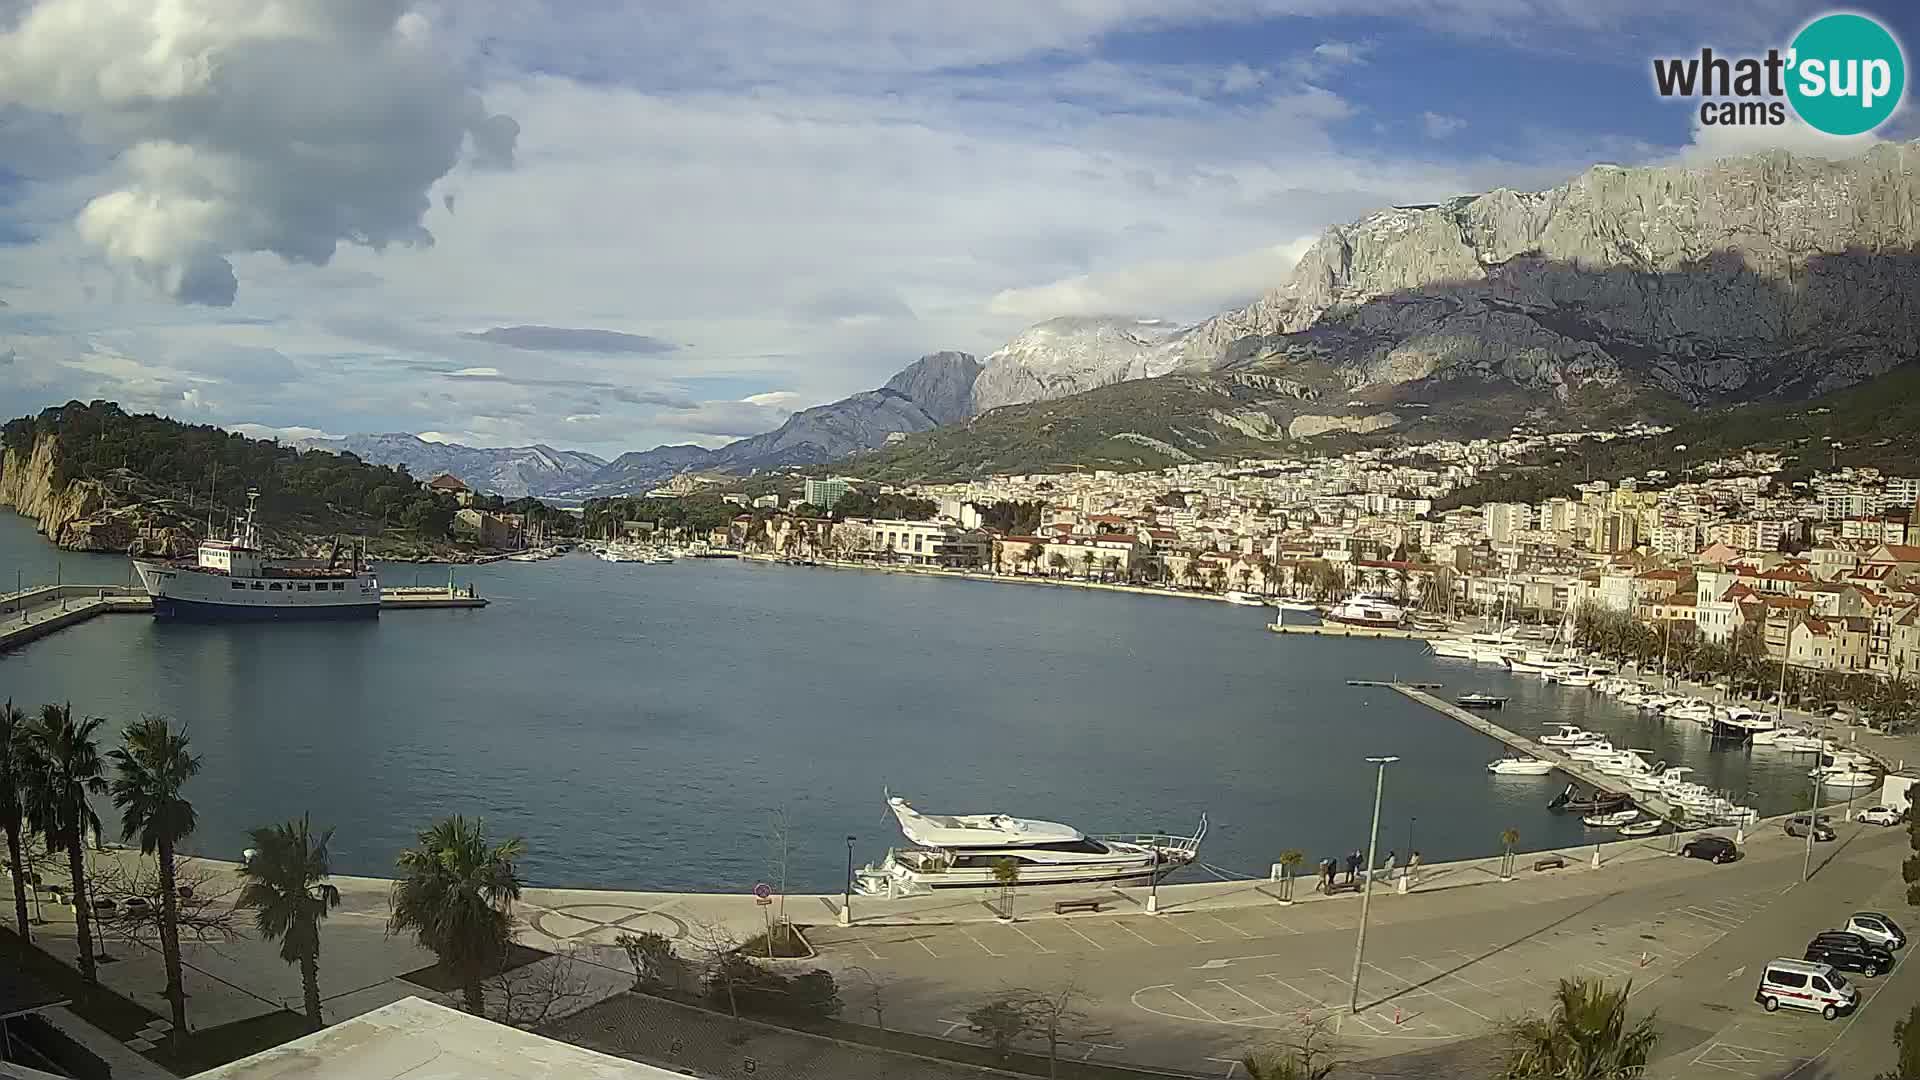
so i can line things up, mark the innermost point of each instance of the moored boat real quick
(1519, 766)
(1370, 611)
(236, 580)
(1479, 700)
(962, 851)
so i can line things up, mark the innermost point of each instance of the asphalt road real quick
(1195, 989)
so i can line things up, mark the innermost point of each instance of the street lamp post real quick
(846, 897)
(1366, 895)
(1813, 817)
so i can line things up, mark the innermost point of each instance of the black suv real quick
(1849, 952)
(1712, 848)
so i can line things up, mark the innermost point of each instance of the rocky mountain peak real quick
(1072, 354)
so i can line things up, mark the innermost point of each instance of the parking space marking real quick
(1029, 937)
(1121, 923)
(1226, 924)
(1173, 921)
(1265, 1009)
(1194, 1007)
(1068, 923)
(1274, 920)
(1446, 973)
(1416, 988)
(977, 941)
(1297, 990)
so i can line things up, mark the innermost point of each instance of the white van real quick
(1799, 984)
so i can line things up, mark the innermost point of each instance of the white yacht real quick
(1519, 766)
(1367, 611)
(1569, 735)
(1594, 750)
(961, 851)
(1245, 599)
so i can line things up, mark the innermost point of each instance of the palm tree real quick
(287, 889)
(13, 753)
(150, 767)
(1086, 564)
(1035, 552)
(1587, 1037)
(456, 895)
(63, 766)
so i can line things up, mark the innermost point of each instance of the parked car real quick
(1797, 826)
(1717, 849)
(1799, 984)
(1849, 952)
(1880, 815)
(1877, 928)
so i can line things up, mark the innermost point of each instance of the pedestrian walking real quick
(1327, 866)
(1353, 867)
(1393, 860)
(1413, 869)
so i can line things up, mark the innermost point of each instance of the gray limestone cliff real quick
(1772, 275)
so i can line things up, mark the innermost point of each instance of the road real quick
(1195, 988)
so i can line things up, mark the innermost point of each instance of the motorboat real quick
(1479, 700)
(1626, 763)
(1641, 828)
(1304, 607)
(1848, 779)
(1608, 821)
(1694, 710)
(1740, 724)
(1524, 666)
(1519, 766)
(1599, 748)
(1568, 735)
(1245, 599)
(1797, 741)
(1600, 802)
(963, 851)
(1451, 648)
(1371, 611)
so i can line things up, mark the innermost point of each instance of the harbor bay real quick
(641, 725)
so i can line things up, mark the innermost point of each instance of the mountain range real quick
(1625, 293)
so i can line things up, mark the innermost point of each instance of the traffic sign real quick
(763, 890)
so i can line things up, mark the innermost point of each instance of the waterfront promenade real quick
(1224, 965)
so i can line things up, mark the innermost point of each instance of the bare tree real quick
(1052, 1016)
(655, 966)
(533, 994)
(1309, 1054)
(204, 900)
(718, 953)
(876, 995)
(1056, 1017)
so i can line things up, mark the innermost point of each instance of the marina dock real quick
(1577, 769)
(1343, 630)
(32, 614)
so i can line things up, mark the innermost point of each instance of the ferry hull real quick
(178, 610)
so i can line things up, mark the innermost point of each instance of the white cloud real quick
(293, 435)
(1184, 288)
(284, 126)
(1440, 125)
(1712, 142)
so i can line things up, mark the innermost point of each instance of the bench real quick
(1091, 903)
(1551, 862)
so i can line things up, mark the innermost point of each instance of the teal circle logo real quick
(1847, 74)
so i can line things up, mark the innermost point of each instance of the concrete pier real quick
(1343, 630)
(34, 613)
(1571, 766)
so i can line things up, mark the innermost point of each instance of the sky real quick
(606, 226)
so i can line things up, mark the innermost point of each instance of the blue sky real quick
(800, 197)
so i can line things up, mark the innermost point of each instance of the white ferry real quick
(234, 579)
(961, 851)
